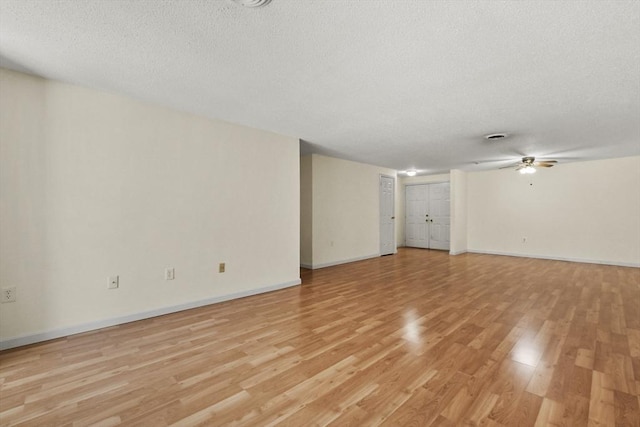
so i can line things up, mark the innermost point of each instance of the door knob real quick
(393, 217)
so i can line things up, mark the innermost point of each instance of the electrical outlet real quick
(221, 267)
(114, 282)
(8, 294)
(169, 274)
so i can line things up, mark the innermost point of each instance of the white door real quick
(439, 216)
(416, 220)
(387, 215)
(427, 219)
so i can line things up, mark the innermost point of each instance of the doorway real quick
(427, 216)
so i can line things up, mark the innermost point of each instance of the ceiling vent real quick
(495, 136)
(252, 3)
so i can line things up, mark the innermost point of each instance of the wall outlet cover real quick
(8, 294)
(114, 282)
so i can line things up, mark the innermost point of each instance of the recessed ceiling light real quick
(252, 3)
(495, 136)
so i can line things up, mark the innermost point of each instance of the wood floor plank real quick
(419, 338)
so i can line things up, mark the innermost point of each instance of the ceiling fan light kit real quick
(527, 170)
(528, 165)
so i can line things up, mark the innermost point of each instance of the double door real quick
(427, 220)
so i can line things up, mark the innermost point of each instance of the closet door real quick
(439, 216)
(427, 218)
(417, 219)
(387, 215)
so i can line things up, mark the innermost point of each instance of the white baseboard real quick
(460, 252)
(555, 258)
(343, 261)
(105, 323)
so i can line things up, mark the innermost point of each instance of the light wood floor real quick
(417, 339)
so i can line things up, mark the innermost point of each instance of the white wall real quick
(586, 211)
(458, 212)
(94, 185)
(411, 180)
(346, 210)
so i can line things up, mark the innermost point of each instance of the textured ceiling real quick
(402, 84)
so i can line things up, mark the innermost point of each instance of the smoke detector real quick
(252, 3)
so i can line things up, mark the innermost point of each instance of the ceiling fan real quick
(528, 164)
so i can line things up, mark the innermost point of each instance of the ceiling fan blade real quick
(546, 163)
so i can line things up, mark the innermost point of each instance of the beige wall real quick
(458, 212)
(584, 211)
(345, 210)
(94, 185)
(306, 211)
